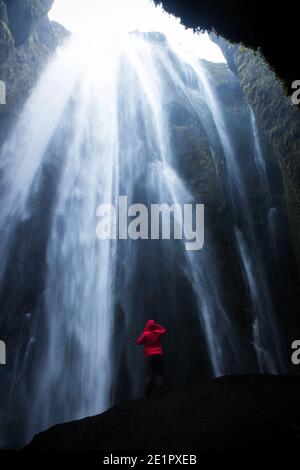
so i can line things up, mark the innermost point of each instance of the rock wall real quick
(277, 117)
(22, 16)
(27, 40)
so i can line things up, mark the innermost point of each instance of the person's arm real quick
(141, 339)
(160, 329)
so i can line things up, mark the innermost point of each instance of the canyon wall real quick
(278, 118)
(27, 41)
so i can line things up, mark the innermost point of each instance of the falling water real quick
(265, 331)
(273, 220)
(258, 155)
(97, 126)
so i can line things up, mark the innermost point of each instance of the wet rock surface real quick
(278, 119)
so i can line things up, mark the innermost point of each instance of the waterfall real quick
(265, 331)
(96, 126)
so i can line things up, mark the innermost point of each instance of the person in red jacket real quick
(154, 357)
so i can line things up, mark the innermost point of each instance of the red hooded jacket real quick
(150, 338)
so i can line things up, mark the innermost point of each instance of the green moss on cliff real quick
(6, 41)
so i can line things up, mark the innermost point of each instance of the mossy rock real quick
(6, 41)
(218, 72)
(3, 12)
(22, 67)
(24, 15)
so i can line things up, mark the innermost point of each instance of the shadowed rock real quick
(237, 412)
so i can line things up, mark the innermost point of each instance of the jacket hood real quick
(150, 325)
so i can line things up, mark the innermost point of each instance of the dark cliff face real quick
(278, 118)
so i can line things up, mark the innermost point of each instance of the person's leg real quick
(149, 380)
(157, 366)
(159, 376)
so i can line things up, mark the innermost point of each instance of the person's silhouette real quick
(154, 357)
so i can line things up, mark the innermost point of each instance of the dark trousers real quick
(154, 375)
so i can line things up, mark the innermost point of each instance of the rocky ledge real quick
(233, 412)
